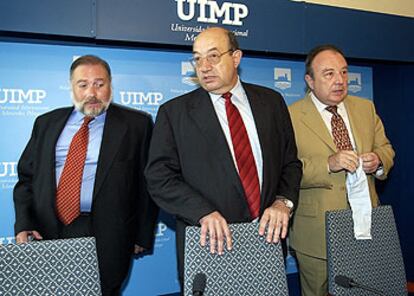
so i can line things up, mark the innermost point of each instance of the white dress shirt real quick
(239, 99)
(326, 116)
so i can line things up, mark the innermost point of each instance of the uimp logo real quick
(283, 78)
(188, 74)
(138, 98)
(21, 96)
(208, 11)
(8, 174)
(8, 169)
(161, 229)
(354, 82)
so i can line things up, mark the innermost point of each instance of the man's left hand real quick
(138, 249)
(370, 162)
(276, 217)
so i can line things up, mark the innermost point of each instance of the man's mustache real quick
(92, 100)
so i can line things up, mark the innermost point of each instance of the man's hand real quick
(23, 236)
(370, 162)
(343, 160)
(215, 226)
(276, 217)
(138, 249)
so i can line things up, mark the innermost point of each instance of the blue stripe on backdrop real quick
(34, 79)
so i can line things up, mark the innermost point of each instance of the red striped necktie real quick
(244, 156)
(69, 188)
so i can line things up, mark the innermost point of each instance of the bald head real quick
(218, 32)
(217, 57)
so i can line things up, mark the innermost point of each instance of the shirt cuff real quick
(380, 170)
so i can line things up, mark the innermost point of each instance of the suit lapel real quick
(202, 111)
(355, 120)
(54, 132)
(258, 108)
(313, 120)
(114, 131)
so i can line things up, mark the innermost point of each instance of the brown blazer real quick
(322, 191)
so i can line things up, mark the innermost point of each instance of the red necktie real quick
(68, 191)
(339, 132)
(244, 156)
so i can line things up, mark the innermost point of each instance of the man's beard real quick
(93, 112)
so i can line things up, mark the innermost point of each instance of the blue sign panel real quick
(34, 79)
(180, 21)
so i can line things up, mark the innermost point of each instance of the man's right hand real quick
(343, 160)
(215, 226)
(23, 236)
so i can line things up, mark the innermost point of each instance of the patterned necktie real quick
(68, 191)
(339, 132)
(244, 156)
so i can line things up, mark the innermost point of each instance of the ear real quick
(237, 55)
(309, 80)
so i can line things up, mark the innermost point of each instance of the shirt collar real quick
(322, 107)
(236, 91)
(77, 117)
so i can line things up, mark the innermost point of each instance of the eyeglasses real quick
(213, 58)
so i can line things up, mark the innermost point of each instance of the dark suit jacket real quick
(122, 212)
(191, 173)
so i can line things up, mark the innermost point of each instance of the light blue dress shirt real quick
(96, 127)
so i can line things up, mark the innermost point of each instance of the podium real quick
(66, 267)
(253, 267)
(375, 263)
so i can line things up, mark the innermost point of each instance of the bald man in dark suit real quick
(194, 169)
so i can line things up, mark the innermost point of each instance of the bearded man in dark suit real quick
(111, 200)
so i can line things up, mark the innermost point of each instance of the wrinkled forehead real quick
(329, 59)
(89, 72)
(211, 40)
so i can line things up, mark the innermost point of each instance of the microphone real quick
(346, 282)
(199, 284)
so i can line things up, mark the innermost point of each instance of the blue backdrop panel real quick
(276, 26)
(34, 79)
(394, 88)
(359, 33)
(179, 21)
(71, 18)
